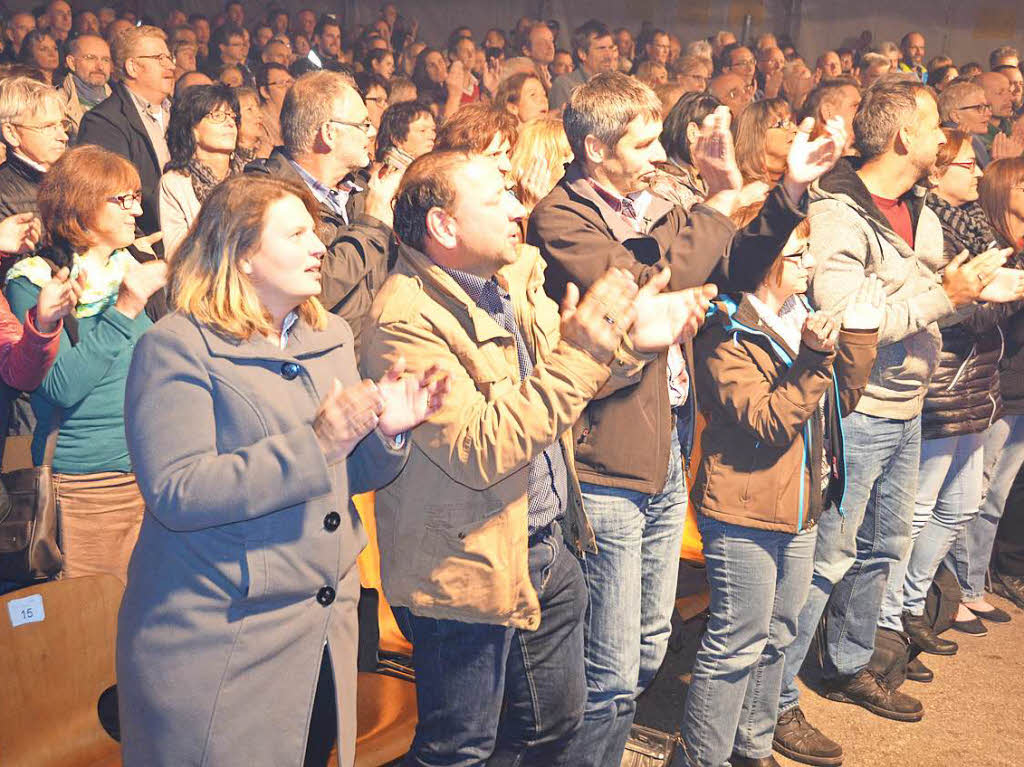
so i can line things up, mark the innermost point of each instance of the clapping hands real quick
(865, 309)
(809, 160)
(58, 298)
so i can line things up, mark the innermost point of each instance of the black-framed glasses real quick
(976, 107)
(365, 126)
(801, 256)
(127, 200)
(162, 58)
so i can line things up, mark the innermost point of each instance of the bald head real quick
(997, 91)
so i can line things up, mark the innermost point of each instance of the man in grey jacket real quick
(869, 221)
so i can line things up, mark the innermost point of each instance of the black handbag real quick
(29, 534)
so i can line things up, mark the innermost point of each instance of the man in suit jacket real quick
(133, 120)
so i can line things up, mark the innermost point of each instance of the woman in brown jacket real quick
(773, 381)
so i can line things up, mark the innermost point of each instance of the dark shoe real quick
(1009, 586)
(866, 689)
(973, 627)
(801, 741)
(924, 638)
(995, 615)
(918, 672)
(745, 761)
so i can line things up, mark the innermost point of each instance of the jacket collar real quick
(18, 166)
(578, 185)
(303, 343)
(517, 278)
(738, 315)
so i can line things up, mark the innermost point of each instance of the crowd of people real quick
(254, 267)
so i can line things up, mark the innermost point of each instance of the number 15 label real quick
(26, 610)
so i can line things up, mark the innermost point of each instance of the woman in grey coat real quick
(249, 430)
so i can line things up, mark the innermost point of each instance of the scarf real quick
(966, 225)
(89, 95)
(203, 180)
(101, 285)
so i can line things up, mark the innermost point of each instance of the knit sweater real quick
(851, 239)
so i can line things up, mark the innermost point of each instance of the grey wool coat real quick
(246, 561)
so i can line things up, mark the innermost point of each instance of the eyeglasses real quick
(745, 63)
(282, 83)
(784, 124)
(365, 126)
(802, 256)
(49, 129)
(127, 200)
(970, 165)
(976, 107)
(91, 58)
(382, 100)
(162, 58)
(220, 117)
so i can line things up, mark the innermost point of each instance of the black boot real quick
(918, 672)
(867, 690)
(1009, 586)
(801, 741)
(924, 638)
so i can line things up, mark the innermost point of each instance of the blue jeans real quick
(632, 586)
(466, 671)
(972, 549)
(948, 493)
(856, 549)
(759, 580)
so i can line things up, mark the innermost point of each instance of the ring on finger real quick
(609, 319)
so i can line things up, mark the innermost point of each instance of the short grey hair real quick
(604, 107)
(886, 107)
(954, 96)
(23, 98)
(308, 104)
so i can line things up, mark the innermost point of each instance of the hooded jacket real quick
(851, 239)
(761, 463)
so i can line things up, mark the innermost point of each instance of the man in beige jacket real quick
(474, 532)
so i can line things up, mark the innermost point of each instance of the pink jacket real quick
(26, 353)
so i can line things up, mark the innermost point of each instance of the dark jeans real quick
(323, 722)
(466, 671)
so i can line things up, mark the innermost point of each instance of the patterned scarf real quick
(203, 180)
(101, 285)
(966, 225)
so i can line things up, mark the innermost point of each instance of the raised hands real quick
(809, 160)
(409, 400)
(19, 233)
(345, 416)
(820, 333)
(57, 298)
(597, 322)
(140, 282)
(714, 154)
(965, 280)
(663, 319)
(866, 308)
(1006, 147)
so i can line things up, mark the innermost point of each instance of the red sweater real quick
(26, 353)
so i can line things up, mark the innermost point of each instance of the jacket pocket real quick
(255, 577)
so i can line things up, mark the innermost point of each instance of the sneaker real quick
(867, 690)
(801, 741)
(925, 638)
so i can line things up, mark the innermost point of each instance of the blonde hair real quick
(23, 97)
(205, 281)
(540, 139)
(124, 45)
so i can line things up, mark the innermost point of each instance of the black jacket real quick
(19, 186)
(115, 124)
(356, 262)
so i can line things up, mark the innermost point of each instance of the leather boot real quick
(918, 672)
(1009, 586)
(746, 761)
(924, 638)
(867, 690)
(801, 741)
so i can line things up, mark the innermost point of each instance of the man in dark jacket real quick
(132, 121)
(327, 136)
(628, 452)
(32, 127)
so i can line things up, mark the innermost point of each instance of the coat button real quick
(289, 371)
(332, 521)
(325, 596)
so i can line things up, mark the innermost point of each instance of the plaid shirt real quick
(335, 199)
(548, 483)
